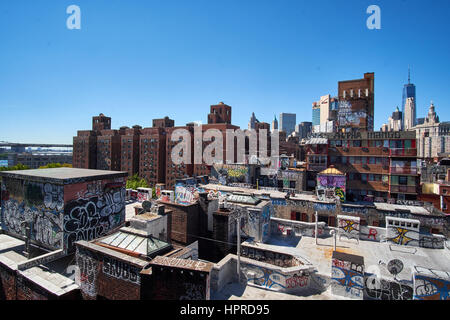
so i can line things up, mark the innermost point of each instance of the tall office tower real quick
(252, 122)
(220, 113)
(324, 109)
(287, 122)
(356, 104)
(409, 118)
(303, 129)
(409, 91)
(274, 123)
(395, 121)
(315, 114)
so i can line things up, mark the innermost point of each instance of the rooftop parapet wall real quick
(263, 275)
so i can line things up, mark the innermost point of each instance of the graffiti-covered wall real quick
(292, 228)
(403, 232)
(231, 173)
(347, 275)
(58, 215)
(383, 289)
(430, 284)
(92, 209)
(348, 227)
(38, 205)
(336, 182)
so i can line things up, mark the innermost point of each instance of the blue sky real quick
(138, 60)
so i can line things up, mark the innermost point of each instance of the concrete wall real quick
(279, 259)
(295, 279)
(429, 286)
(384, 289)
(297, 228)
(157, 226)
(347, 279)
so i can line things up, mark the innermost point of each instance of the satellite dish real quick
(146, 205)
(395, 267)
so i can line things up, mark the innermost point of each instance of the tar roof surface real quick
(63, 175)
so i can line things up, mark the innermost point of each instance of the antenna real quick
(409, 75)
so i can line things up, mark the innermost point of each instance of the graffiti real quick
(402, 231)
(339, 192)
(430, 288)
(350, 280)
(142, 196)
(348, 227)
(347, 277)
(401, 237)
(88, 266)
(349, 117)
(381, 289)
(371, 233)
(87, 219)
(187, 194)
(94, 189)
(271, 257)
(182, 263)
(47, 229)
(121, 270)
(410, 203)
(264, 277)
(296, 281)
(45, 226)
(193, 292)
(298, 229)
(227, 174)
(432, 241)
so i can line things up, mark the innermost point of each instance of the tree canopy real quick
(135, 182)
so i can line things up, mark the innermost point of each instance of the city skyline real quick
(57, 79)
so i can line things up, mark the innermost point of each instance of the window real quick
(402, 180)
(357, 143)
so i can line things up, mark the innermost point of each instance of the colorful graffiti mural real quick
(347, 275)
(348, 227)
(403, 232)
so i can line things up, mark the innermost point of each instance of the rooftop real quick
(63, 175)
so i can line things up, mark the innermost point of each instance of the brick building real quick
(152, 157)
(378, 164)
(108, 150)
(177, 279)
(356, 104)
(129, 149)
(165, 122)
(181, 170)
(220, 113)
(85, 150)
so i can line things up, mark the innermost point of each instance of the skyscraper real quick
(409, 120)
(409, 91)
(252, 122)
(288, 122)
(315, 114)
(274, 123)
